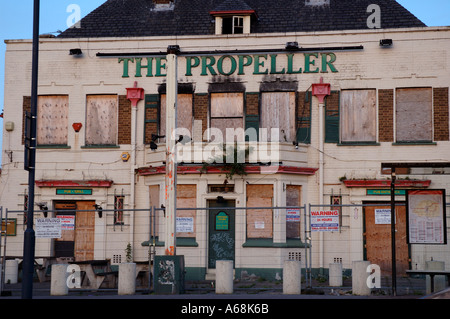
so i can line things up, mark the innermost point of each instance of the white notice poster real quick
(322, 221)
(185, 224)
(382, 216)
(426, 217)
(48, 228)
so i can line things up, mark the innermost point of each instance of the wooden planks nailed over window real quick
(278, 112)
(358, 116)
(184, 115)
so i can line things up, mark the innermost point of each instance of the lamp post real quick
(30, 163)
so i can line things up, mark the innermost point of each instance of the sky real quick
(16, 21)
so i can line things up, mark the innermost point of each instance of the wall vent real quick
(117, 259)
(295, 255)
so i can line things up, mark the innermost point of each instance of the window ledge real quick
(414, 143)
(268, 243)
(53, 146)
(180, 242)
(100, 146)
(358, 144)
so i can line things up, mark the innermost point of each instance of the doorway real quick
(77, 235)
(222, 228)
(377, 237)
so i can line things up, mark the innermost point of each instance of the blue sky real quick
(16, 20)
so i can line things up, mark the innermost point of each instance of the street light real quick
(30, 152)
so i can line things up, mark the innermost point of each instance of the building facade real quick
(101, 154)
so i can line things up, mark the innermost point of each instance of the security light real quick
(75, 52)
(386, 42)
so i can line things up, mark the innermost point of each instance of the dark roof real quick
(232, 5)
(135, 18)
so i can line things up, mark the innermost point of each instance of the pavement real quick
(407, 288)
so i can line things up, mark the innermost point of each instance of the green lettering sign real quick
(74, 192)
(228, 65)
(222, 221)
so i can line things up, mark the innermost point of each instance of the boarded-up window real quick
(227, 112)
(186, 198)
(157, 215)
(101, 119)
(293, 199)
(358, 116)
(52, 119)
(184, 115)
(414, 115)
(259, 221)
(278, 112)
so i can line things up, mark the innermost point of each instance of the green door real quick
(221, 231)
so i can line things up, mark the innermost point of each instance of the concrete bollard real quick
(58, 286)
(292, 277)
(11, 271)
(359, 278)
(127, 279)
(335, 275)
(439, 281)
(224, 277)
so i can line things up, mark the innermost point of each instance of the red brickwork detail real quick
(201, 110)
(124, 130)
(441, 114)
(252, 104)
(386, 115)
(26, 107)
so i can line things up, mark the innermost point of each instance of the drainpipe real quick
(134, 94)
(321, 90)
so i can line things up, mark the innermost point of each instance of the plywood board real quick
(259, 221)
(84, 231)
(154, 202)
(414, 115)
(101, 119)
(278, 112)
(293, 198)
(378, 240)
(187, 198)
(358, 116)
(227, 104)
(184, 114)
(52, 119)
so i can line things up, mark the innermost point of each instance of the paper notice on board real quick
(48, 228)
(426, 217)
(322, 221)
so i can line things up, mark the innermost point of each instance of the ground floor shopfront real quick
(258, 222)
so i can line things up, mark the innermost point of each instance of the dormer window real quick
(233, 25)
(233, 17)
